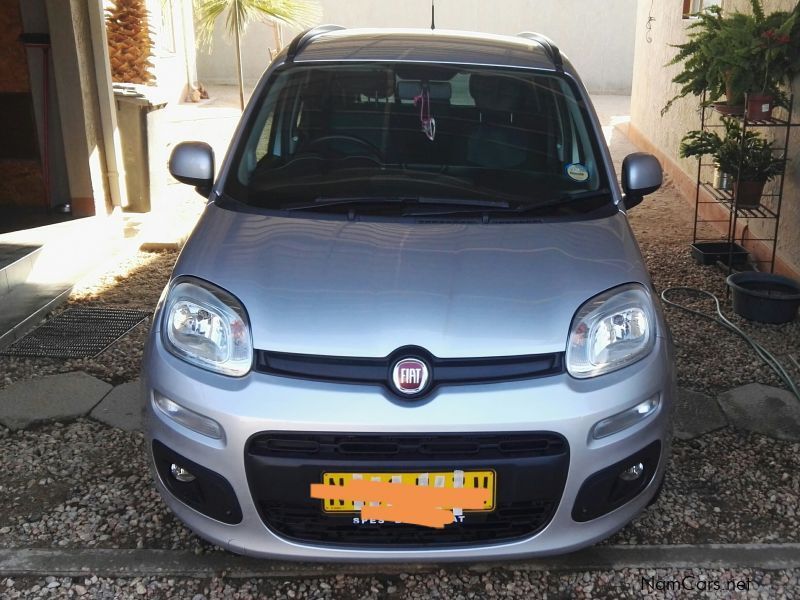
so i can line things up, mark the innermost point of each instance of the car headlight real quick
(208, 327)
(611, 331)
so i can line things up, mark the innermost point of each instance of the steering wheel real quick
(327, 139)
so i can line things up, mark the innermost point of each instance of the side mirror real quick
(641, 175)
(193, 163)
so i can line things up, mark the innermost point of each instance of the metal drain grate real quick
(77, 333)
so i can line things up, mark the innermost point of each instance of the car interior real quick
(472, 126)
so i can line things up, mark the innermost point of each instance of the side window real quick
(460, 95)
(262, 148)
(264, 138)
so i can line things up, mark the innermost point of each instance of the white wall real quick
(597, 35)
(173, 42)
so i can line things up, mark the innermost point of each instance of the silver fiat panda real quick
(412, 322)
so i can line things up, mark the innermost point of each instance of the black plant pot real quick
(764, 297)
(709, 253)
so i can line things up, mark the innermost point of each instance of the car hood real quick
(328, 286)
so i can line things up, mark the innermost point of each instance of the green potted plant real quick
(738, 55)
(746, 155)
(754, 163)
(710, 143)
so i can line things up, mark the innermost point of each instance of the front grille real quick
(406, 446)
(530, 467)
(444, 371)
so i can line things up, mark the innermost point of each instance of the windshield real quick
(382, 135)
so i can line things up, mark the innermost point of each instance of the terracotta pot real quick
(727, 110)
(759, 107)
(748, 193)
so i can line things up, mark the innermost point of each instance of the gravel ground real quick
(709, 358)
(448, 584)
(86, 485)
(83, 485)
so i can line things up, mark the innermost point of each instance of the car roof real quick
(332, 44)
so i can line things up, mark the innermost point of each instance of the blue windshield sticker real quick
(577, 172)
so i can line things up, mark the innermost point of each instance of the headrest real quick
(373, 84)
(410, 89)
(424, 72)
(497, 92)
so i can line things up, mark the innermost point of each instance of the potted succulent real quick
(746, 155)
(738, 55)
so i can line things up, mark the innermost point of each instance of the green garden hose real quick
(720, 318)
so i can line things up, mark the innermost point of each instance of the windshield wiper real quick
(564, 200)
(323, 201)
(469, 203)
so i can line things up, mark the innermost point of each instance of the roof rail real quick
(304, 38)
(549, 47)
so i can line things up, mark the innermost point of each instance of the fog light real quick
(180, 473)
(626, 418)
(188, 418)
(632, 473)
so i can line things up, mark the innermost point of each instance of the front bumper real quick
(259, 403)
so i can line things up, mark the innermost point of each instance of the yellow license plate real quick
(446, 479)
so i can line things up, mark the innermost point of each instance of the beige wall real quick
(78, 99)
(596, 35)
(652, 88)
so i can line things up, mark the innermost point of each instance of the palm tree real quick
(299, 13)
(130, 46)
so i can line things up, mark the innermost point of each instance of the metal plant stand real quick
(721, 235)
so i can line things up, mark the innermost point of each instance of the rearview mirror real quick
(193, 163)
(641, 175)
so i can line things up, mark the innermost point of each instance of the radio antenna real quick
(433, 14)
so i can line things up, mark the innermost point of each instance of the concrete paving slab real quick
(122, 407)
(54, 398)
(696, 414)
(77, 562)
(764, 409)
